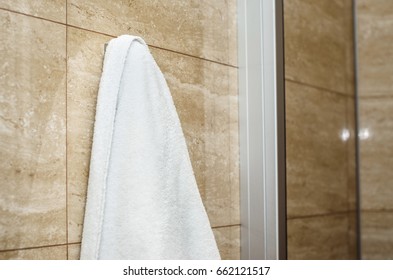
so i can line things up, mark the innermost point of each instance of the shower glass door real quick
(375, 111)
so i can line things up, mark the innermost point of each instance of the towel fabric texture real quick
(142, 200)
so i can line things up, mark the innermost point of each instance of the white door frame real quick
(262, 129)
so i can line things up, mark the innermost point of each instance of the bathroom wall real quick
(375, 87)
(320, 121)
(51, 54)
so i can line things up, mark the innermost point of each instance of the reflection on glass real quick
(345, 134)
(364, 134)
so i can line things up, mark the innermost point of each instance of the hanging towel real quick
(142, 200)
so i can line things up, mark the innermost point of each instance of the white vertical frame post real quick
(262, 129)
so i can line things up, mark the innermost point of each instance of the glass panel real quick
(375, 60)
(320, 129)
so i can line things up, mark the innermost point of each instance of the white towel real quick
(142, 201)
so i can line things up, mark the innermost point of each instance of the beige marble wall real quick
(48, 105)
(375, 59)
(320, 122)
(33, 132)
(43, 253)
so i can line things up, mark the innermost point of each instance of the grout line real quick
(234, 225)
(193, 56)
(321, 215)
(377, 210)
(114, 36)
(92, 31)
(375, 97)
(318, 87)
(159, 48)
(39, 247)
(36, 17)
(66, 121)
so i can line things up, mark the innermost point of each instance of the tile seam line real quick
(193, 56)
(159, 48)
(32, 16)
(376, 97)
(77, 243)
(39, 247)
(319, 88)
(322, 215)
(377, 210)
(114, 36)
(234, 225)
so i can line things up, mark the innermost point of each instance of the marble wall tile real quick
(74, 251)
(205, 95)
(349, 47)
(234, 160)
(85, 59)
(48, 9)
(377, 232)
(32, 132)
(318, 238)
(201, 28)
(353, 235)
(318, 43)
(317, 172)
(376, 153)
(46, 253)
(228, 242)
(375, 52)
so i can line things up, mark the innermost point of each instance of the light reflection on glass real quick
(364, 134)
(345, 134)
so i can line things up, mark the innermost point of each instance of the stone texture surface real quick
(319, 44)
(204, 28)
(320, 128)
(85, 59)
(48, 9)
(376, 153)
(377, 232)
(375, 52)
(74, 251)
(46, 253)
(317, 174)
(375, 58)
(228, 242)
(318, 238)
(32, 132)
